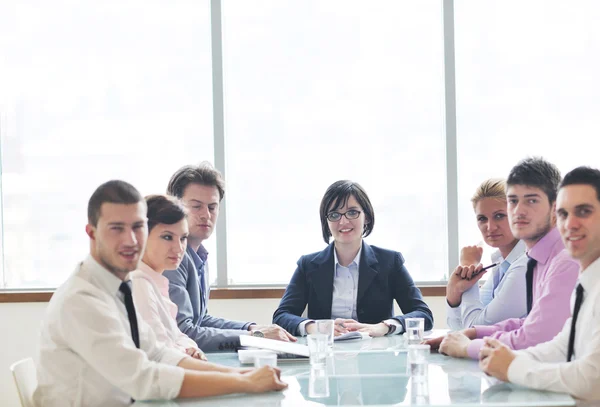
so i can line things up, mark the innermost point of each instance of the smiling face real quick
(347, 231)
(492, 220)
(578, 220)
(530, 213)
(166, 246)
(202, 202)
(118, 240)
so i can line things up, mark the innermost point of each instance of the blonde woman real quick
(165, 248)
(504, 294)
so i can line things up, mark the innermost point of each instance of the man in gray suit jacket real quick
(201, 189)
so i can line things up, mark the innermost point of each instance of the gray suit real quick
(189, 289)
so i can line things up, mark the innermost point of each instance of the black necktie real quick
(531, 263)
(135, 335)
(578, 301)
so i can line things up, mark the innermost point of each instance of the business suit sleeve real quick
(294, 301)
(408, 296)
(208, 338)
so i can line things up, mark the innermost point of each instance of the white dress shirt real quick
(152, 302)
(87, 355)
(545, 366)
(345, 291)
(502, 296)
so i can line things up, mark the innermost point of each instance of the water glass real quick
(415, 327)
(326, 327)
(318, 383)
(265, 358)
(419, 392)
(318, 349)
(417, 361)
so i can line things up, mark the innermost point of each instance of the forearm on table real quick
(190, 363)
(206, 384)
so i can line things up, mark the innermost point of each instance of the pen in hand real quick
(483, 269)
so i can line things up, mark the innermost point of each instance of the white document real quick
(272, 344)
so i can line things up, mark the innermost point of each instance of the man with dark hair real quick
(569, 362)
(201, 189)
(551, 273)
(94, 351)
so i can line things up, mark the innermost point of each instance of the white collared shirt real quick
(87, 355)
(152, 302)
(545, 366)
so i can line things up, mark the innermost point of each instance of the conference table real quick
(373, 372)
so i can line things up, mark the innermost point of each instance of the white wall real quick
(20, 327)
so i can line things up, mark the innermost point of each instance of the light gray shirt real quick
(502, 296)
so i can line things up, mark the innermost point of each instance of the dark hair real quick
(164, 209)
(115, 191)
(536, 172)
(203, 174)
(336, 196)
(583, 176)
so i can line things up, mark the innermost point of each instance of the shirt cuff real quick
(517, 370)
(302, 327)
(399, 330)
(170, 380)
(474, 348)
(247, 325)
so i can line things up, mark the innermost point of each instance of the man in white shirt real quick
(95, 350)
(570, 362)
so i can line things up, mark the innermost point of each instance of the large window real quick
(527, 85)
(312, 92)
(90, 92)
(321, 91)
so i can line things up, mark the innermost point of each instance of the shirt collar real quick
(103, 277)
(542, 249)
(201, 253)
(355, 261)
(151, 273)
(516, 252)
(590, 278)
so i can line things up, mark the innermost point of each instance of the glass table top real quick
(373, 372)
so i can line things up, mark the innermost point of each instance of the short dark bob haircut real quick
(164, 209)
(337, 196)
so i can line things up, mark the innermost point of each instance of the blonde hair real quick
(492, 188)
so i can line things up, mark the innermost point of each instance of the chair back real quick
(24, 372)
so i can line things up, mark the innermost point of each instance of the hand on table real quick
(264, 379)
(455, 344)
(374, 330)
(495, 359)
(273, 332)
(196, 353)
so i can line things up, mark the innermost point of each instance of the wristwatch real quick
(391, 328)
(258, 334)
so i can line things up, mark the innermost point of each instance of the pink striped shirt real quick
(554, 278)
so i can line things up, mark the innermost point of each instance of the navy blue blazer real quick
(382, 278)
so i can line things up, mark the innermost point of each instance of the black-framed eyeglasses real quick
(337, 216)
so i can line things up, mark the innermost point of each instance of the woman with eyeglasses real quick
(165, 248)
(350, 281)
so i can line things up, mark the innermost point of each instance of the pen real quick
(485, 268)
